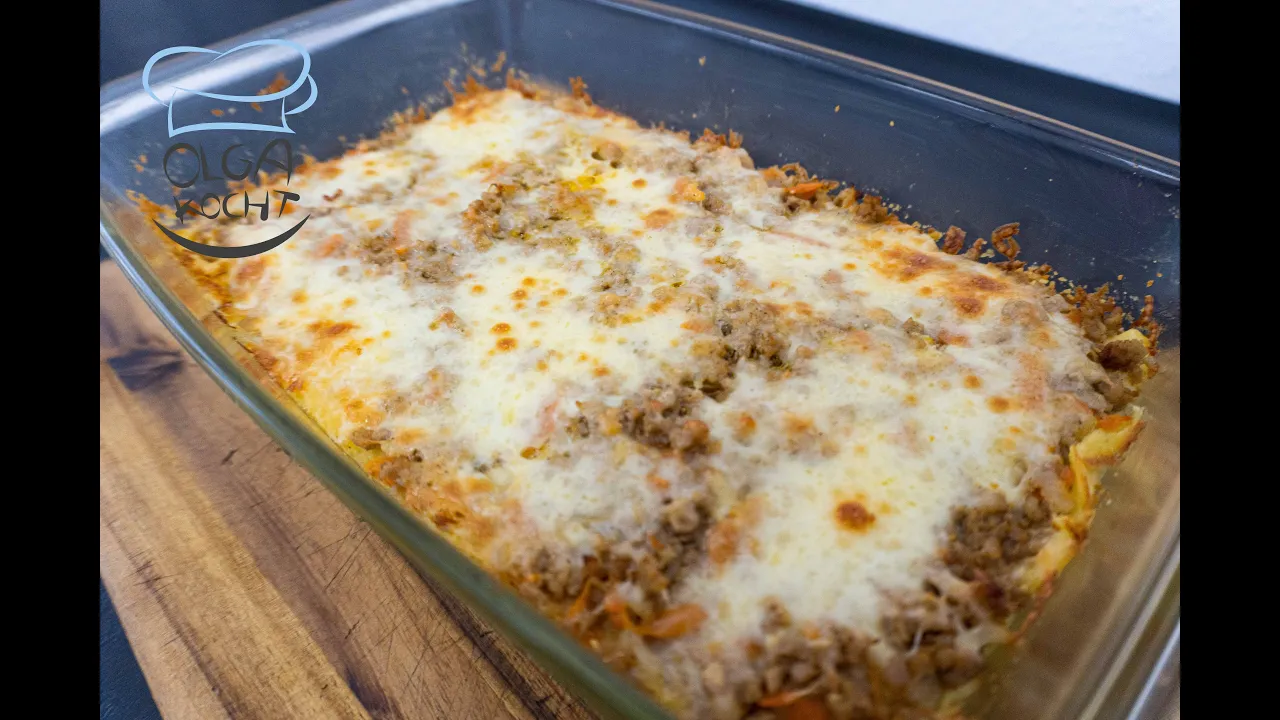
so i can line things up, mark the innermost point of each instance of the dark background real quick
(132, 30)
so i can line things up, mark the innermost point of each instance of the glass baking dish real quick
(1097, 210)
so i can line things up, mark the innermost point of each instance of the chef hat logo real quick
(272, 104)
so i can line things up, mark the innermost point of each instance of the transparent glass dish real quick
(1096, 210)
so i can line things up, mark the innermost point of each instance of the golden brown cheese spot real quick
(973, 382)
(505, 344)
(999, 404)
(488, 162)
(529, 453)
(802, 435)
(697, 325)
(449, 319)
(904, 264)
(795, 424)
(299, 296)
(982, 284)
(250, 272)
(358, 412)
(724, 537)
(853, 515)
(1042, 338)
(348, 302)
(500, 329)
(477, 289)
(970, 307)
(722, 540)
(659, 218)
(686, 190)
(658, 482)
(519, 294)
(528, 282)
(744, 426)
(949, 338)
(608, 301)
(328, 328)
(639, 183)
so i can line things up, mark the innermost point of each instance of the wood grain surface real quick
(245, 588)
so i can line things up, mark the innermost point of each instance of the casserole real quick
(869, 95)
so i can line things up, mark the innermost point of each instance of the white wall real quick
(1131, 44)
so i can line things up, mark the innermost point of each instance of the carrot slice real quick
(806, 190)
(580, 605)
(1114, 422)
(616, 607)
(675, 622)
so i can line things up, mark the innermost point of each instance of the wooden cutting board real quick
(245, 588)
